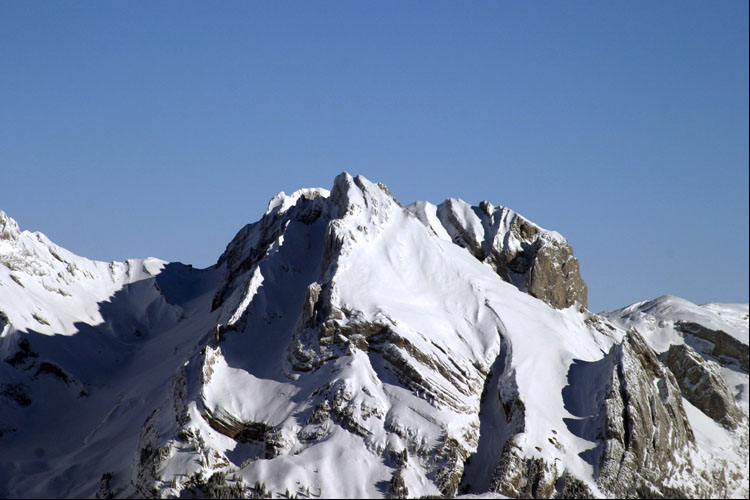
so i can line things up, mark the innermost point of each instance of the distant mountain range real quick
(345, 345)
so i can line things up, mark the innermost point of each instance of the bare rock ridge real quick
(706, 362)
(346, 346)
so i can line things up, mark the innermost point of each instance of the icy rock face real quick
(712, 381)
(3, 321)
(535, 260)
(516, 474)
(257, 240)
(703, 384)
(520, 477)
(634, 412)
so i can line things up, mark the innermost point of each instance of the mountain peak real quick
(283, 202)
(8, 227)
(351, 194)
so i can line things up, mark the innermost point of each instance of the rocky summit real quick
(347, 346)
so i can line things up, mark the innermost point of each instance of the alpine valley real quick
(347, 346)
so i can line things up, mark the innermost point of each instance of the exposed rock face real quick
(647, 436)
(724, 345)
(703, 384)
(521, 477)
(706, 363)
(516, 475)
(397, 487)
(4, 321)
(535, 260)
(555, 276)
(218, 486)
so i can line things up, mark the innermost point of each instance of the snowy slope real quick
(86, 347)
(48, 289)
(342, 346)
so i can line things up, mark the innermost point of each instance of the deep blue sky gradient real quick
(135, 128)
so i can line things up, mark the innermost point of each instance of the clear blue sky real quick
(135, 128)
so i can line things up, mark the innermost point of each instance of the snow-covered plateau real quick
(346, 346)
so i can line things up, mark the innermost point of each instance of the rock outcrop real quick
(647, 436)
(535, 260)
(646, 446)
(703, 384)
(724, 345)
(716, 333)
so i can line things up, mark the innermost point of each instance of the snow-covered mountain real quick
(716, 333)
(346, 346)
